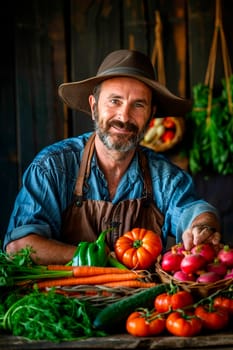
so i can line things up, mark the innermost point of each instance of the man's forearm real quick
(46, 251)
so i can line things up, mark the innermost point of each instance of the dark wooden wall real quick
(45, 43)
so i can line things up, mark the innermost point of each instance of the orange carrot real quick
(98, 279)
(59, 267)
(87, 270)
(131, 284)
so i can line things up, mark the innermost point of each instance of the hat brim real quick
(76, 95)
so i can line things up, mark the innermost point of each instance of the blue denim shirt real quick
(48, 186)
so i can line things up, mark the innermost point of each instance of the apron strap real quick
(85, 166)
(146, 174)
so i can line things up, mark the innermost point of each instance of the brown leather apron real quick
(84, 219)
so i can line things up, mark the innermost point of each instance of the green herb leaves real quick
(49, 316)
(39, 315)
(212, 135)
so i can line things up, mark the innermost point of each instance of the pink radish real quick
(191, 263)
(208, 277)
(225, 255)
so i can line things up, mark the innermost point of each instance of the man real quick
(81, 186)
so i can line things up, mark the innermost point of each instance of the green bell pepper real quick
(92, 253)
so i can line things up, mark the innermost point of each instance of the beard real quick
(116, 142)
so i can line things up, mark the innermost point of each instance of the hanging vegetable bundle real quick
(162, 133)
(212, 136)
(212, 117)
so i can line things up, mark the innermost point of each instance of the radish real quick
(217, 266)
(184, 277)
(208, 277)
(178, 248)
(206, 250)
(191, 263)
(225, 255)
(229, 275)
(171, 261)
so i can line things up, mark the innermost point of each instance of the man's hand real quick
(205, 229)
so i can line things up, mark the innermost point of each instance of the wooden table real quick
(124, 341)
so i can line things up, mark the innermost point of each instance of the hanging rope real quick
(155, 137)
(209, 77)
(157, 53)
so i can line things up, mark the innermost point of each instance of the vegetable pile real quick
(177, 313)
(202, 264)
(211, 138)
(163, 133)
(167, 309)
(138, 249)
(19, 269)
(35, 305)
(36, 315)
(160, 130)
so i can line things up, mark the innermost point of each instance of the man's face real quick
(122, 113)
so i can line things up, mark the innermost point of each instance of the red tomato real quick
(138, 248)
(137, 325)
(169, 123)
(213, 319)
(165, 301)
(225, 303)
(168, 135)
(141, 324)
(157, 324)
(183, 324)
(151, 125)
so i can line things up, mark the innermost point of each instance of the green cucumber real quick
(114, 315)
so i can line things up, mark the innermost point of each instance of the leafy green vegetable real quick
(211, 145)
(50, 316)
(37, 315)
(20, 267)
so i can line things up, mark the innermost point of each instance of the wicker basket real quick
(159, 146)
(98, 295)
(199, 289)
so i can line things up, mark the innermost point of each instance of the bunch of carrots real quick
(20, 270)
(94, 275)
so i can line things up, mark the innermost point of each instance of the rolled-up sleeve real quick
(37, 209)
(46, 191)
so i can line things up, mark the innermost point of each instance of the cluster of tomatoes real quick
(203, 263)
(176, 313)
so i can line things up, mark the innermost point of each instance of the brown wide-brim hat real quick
(124, 63)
